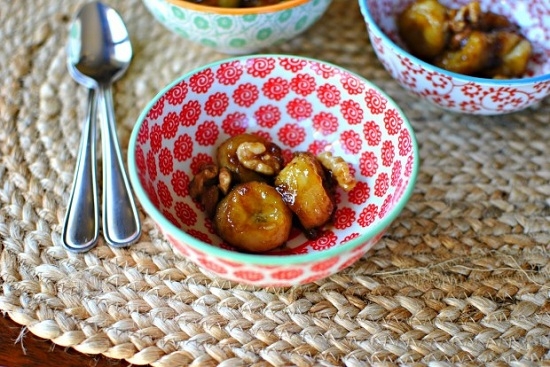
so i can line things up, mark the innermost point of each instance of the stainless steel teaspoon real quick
(99, 52)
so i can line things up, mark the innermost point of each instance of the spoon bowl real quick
(99, 52)
(99, 49)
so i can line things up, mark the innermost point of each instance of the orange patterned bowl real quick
(302, 105)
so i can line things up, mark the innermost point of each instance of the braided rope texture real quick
(461, 278)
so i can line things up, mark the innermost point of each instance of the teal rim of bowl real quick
(264, 259)
(369, 20)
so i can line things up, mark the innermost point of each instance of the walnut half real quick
(260, 158)
(339, 168)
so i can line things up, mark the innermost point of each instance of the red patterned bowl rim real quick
(262, 259)
(371, 23)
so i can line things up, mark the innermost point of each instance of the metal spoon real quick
(99, 52)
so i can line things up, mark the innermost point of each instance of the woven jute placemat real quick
(461, 278)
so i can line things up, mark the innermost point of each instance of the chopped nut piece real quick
(209, 199)
(225, 180)
(257, 157)
(340, 170)
(468, 14)
(203, 188)
(206, 177)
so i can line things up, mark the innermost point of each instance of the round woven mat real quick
(461, 277)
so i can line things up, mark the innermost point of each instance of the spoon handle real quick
(81, 226)
(121, 224)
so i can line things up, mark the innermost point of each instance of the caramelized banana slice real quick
(422, 26)
(471, 59)
(513, 52)
(253, 217)
(250, 157)
(303, 186)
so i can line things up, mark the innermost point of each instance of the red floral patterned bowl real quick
(458, 92)
(302, 105)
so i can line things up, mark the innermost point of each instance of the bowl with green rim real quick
(237, 31)
(301, 105)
